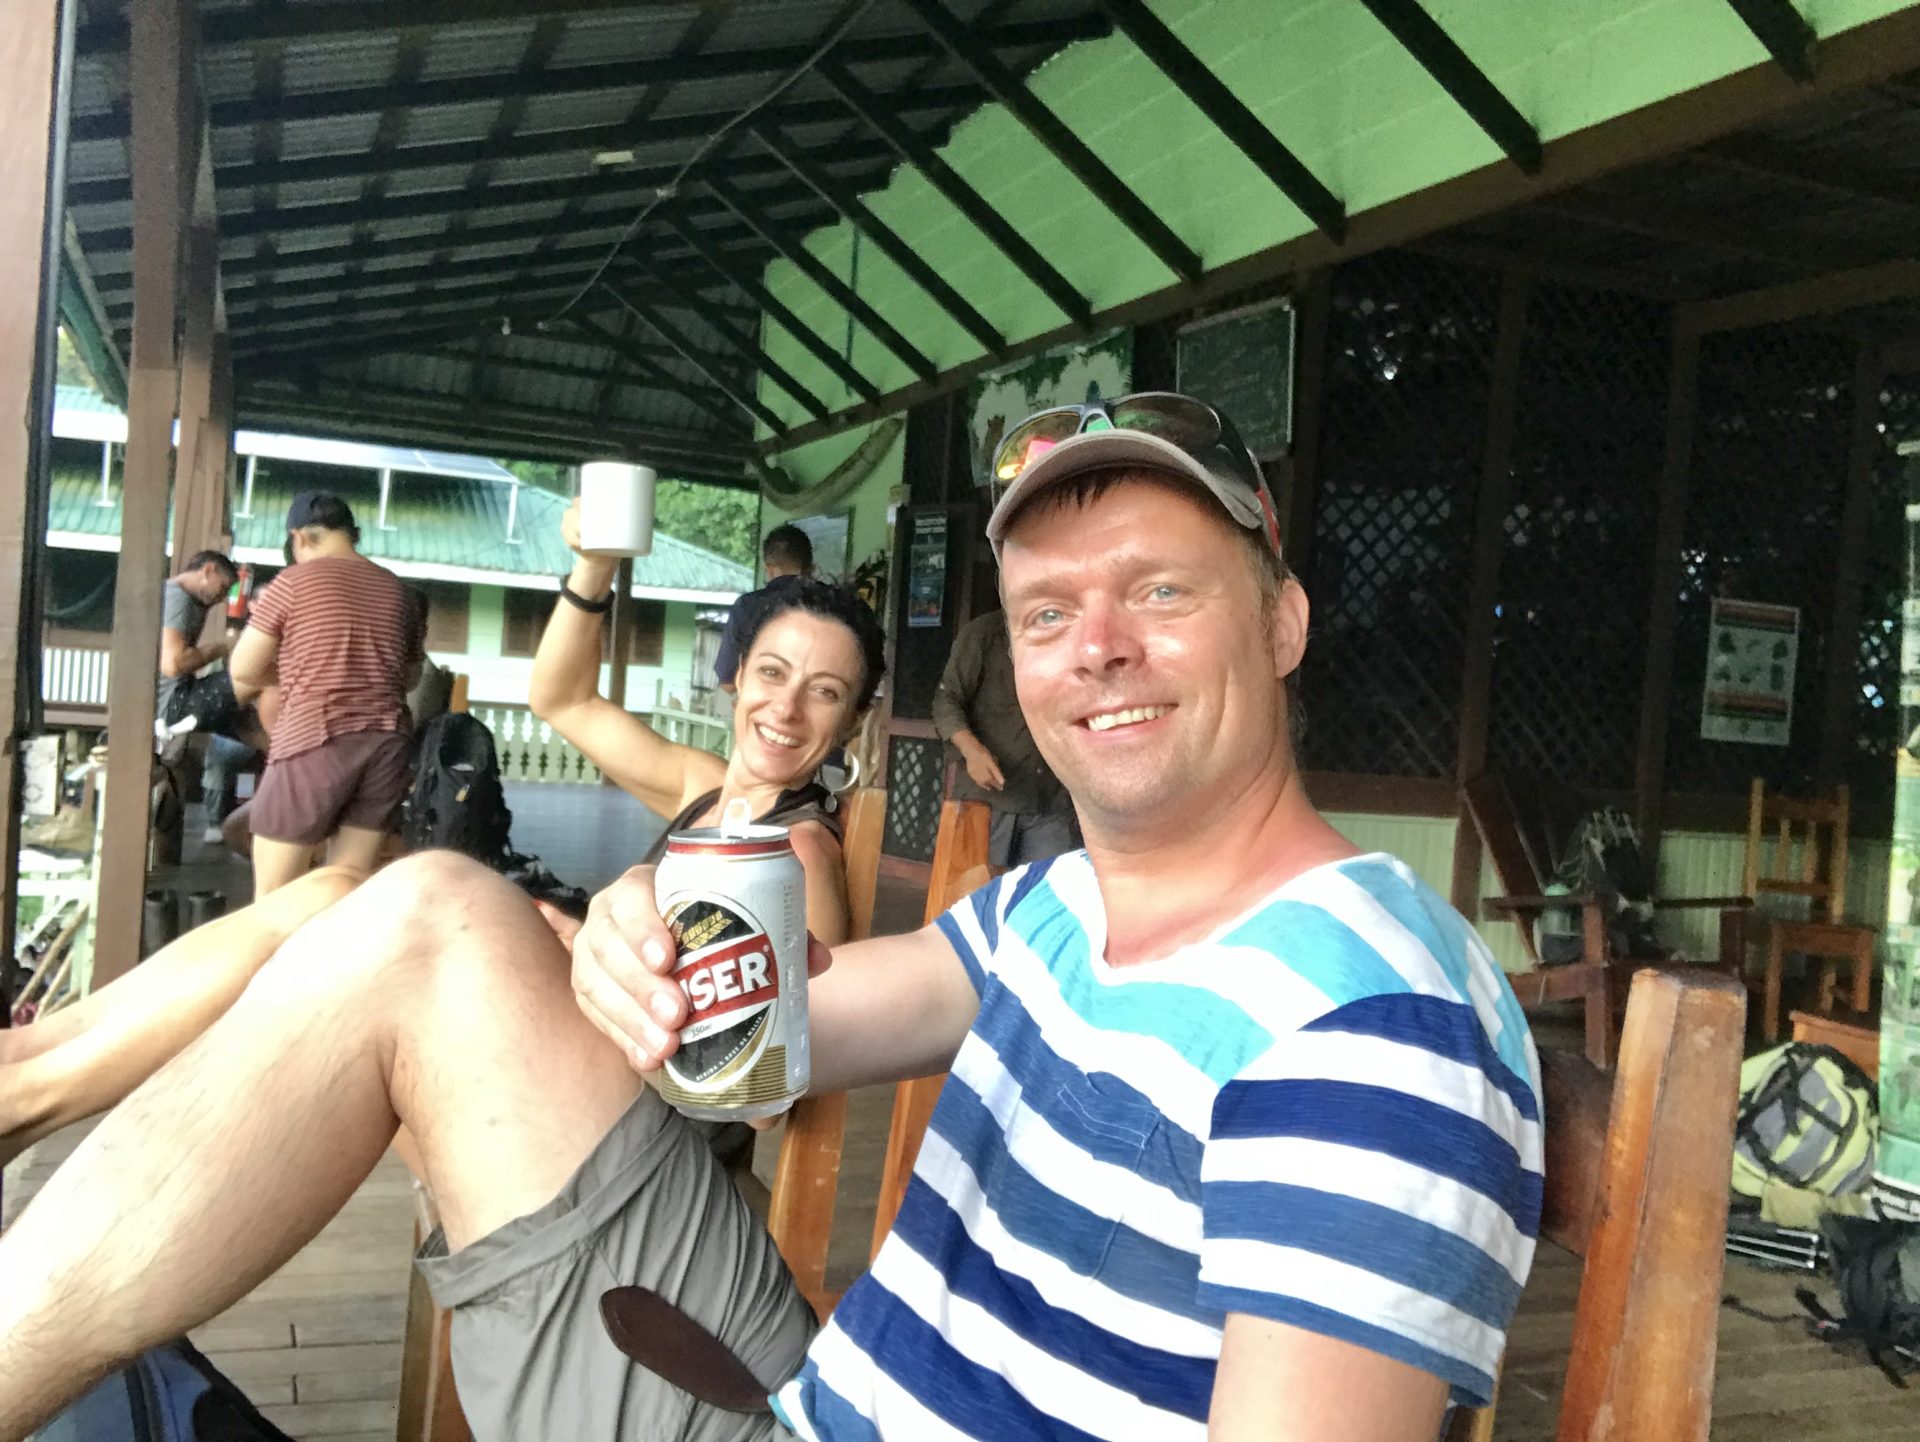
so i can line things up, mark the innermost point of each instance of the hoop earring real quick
(853, 774)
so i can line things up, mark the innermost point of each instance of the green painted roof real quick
(432, 521)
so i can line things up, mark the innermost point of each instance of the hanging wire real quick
(848, 16)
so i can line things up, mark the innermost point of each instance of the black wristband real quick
(595, 608)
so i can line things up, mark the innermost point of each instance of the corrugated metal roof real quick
(432, 521)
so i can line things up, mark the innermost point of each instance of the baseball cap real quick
(319, 508)
(1161, 431)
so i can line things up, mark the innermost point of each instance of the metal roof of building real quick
(394, 181)
(461, 517)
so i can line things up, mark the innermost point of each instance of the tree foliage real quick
(717, 518)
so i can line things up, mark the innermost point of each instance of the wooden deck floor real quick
(317, 1345)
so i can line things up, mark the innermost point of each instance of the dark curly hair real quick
(819, 598)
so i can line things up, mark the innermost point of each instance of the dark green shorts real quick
(650, 1206)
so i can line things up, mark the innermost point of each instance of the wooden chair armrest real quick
(1572, 900)
(1715, 903)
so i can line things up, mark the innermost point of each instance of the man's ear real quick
(1290, 616)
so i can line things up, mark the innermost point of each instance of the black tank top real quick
(812, 802)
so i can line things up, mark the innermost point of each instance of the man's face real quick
(207, 584)
(1149, 676)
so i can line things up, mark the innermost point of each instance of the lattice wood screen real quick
(1570, 636)
(1403, 429)
(1769, 476)
(1876, 702)
(916, 774)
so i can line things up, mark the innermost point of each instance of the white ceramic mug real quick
(616, 508)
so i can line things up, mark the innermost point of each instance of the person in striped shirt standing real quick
(345, 640)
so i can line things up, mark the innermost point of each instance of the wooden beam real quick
(973, 51)
(713, 399)
(854, 211)
(1300, 470)
(616, 76)
(1490, 508)
(1779, 27)
(808, 264)
(742, 395)
(1866, 54)
(197, 495)
(163, 105)
(694, 125)
(1770, 244)
(882, 113)
(1229, 115)
(1757, 154)
(36, 55)
(1454, 71)
(1775, 304)
(745, 278)
(1663, 608)
(1842, 659)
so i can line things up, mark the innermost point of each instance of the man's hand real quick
(980, 764)
(623, 960)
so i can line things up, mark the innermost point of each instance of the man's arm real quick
(254, 663)
(180, 657)
(1282, 1384)
(959, 683)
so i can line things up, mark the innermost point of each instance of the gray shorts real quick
(531, 1358)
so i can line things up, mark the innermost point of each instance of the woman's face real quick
(795, 697)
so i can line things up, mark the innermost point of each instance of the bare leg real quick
(433, 996)
(356, 846)
(275, 863)
(87, 1057)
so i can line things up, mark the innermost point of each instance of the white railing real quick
(691, 728)
(530, 749)
(73, 676)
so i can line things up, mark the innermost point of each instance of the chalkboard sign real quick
(1242, 362)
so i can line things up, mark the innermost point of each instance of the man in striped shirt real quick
(345, 640)
(1242, 1132)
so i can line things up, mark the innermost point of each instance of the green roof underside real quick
(430, 522)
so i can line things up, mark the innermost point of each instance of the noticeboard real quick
(1241, 362)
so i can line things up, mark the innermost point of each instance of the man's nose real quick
(1108, 638)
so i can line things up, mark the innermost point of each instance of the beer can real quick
(736, 902)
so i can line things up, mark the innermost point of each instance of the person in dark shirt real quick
(786, 553)
(977, 713)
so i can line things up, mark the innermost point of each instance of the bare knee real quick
(435, 910)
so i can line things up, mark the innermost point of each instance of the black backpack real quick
(1876, 1271)
(171, 1394)
(457, 803)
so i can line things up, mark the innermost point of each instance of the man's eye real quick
(1048, 616)
(1165, 592)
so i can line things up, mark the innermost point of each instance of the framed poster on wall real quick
(1241, 362)
(1751, 651)
(927, 572)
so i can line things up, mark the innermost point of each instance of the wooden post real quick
(622, 643)
(160, 188)
(1489, 541)
(1313, 294)
(1663, 607)
(195, 525)
(1843, 635)
(36, 52)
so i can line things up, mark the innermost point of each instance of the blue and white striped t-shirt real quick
(1327, 1114)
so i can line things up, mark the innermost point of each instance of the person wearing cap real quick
(1240, 1137)
(345, 640)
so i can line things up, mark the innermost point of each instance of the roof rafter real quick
(1421, 37)
(624, 75)
(695, 356)
(1785, 33)
(810, 265)
(854, 209)
(976, 53)
(1230, 115)
(882, 114)
(748, 283)
(718, 402)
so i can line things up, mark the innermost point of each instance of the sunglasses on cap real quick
(1205, 447)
